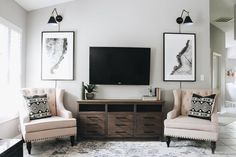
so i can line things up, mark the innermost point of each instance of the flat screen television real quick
(119, 66)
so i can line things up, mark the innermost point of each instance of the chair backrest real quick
(51, 95)
(186, 95)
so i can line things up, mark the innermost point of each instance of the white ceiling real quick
(30, 5)
(222, 8)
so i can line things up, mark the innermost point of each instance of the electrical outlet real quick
(202, 77)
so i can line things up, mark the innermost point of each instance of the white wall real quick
(138, 23)
(12, 12)
(9, 129)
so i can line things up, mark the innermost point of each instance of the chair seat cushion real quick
(49, 123)
(191, 123)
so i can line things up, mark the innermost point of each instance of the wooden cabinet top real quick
(120, 101)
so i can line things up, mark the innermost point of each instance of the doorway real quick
(217, 78)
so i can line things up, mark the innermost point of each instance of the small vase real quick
(89, 96)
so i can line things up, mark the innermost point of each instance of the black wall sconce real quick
(53, 20)
(187, 19)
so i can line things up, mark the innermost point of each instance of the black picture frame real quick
(179, 57)
(57, 55)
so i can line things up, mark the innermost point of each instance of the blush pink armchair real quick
(179, 124)
(59, 125)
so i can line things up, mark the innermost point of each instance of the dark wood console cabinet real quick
(119, 118)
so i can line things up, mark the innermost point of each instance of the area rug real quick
(62, 148)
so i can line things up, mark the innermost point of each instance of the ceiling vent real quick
(224, 19)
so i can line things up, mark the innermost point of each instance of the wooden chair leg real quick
(168, 141)
(72, 140)
(29, 146)
(23, 139)
(213, 147)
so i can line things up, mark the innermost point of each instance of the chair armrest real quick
(23, 114)
(176, 110)
(173, 114)
(24, 117)
(214, 118)
(61, 111)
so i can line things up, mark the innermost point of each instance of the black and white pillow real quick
(202, 106)
(37, 106)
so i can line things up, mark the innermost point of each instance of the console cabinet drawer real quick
(147, 117)
(120, 124)
(148, 124)
(92, 124)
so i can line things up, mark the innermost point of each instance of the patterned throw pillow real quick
(202, 106)
(37, 106)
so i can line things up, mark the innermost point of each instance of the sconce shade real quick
(55, 18)
(52, 20)
(188, 20)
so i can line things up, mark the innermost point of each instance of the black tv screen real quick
(119, 66)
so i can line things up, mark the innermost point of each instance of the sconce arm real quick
(54, 10)
(183, 12)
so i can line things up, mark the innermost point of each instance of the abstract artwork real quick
(57, 55)
(179, 57)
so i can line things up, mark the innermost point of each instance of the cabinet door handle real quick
(149, 132)
(120, 132)
(91, 117)
(149, 117)
(92, 131)
(92, 124)
(149, 124)
(121, 125)
(121, 118)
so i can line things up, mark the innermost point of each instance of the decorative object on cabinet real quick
(57, 55)
(179, 57)
(82, 91)
(90, 88)
(158, 93)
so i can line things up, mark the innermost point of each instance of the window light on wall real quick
(10, 67)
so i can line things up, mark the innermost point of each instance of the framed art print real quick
(179, 57)
(57, 55)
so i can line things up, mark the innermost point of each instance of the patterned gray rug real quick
(62, 148)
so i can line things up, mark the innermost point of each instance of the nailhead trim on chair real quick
(189, 137)
(43, 139)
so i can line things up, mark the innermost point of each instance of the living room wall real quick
(129, 23)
